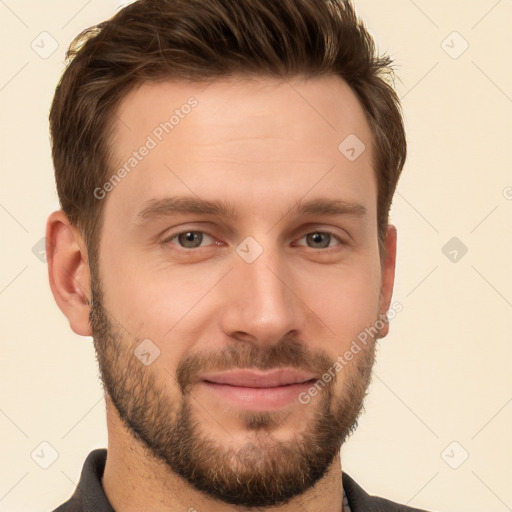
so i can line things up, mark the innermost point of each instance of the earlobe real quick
(388, 275)
(68, 271)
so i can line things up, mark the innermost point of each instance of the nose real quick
(261, 305)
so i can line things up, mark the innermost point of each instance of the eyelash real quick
(324, 249)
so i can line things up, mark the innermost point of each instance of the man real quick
(225, 171)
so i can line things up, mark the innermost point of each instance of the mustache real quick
(288, 352)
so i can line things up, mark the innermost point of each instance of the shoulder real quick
(89, 495)
(360, 501)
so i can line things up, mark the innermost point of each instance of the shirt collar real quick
(89, 494)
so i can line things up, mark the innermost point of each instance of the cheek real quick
(153, 299)
(347, 300)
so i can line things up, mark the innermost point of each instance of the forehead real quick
(237, 137)
(317, 108)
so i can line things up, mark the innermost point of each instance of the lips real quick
(259, 379)
(256, 390)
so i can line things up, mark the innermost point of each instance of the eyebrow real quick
(157, 208)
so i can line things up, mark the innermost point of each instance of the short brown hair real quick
(202, 40)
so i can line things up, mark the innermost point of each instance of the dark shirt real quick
(89, 495)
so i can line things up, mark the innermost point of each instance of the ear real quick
(388, 275)
(68, 270)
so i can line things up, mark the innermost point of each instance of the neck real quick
(135, 480)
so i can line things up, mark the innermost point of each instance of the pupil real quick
(319, 239)
(191, 239)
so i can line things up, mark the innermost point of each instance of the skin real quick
(262, 146)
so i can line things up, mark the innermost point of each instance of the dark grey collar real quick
(90, 497)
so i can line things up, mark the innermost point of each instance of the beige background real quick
(443, 374)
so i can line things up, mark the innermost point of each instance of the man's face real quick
(283, 277)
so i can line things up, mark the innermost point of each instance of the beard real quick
(264, 471)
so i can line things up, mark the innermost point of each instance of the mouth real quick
(258, 390)
(259, 379)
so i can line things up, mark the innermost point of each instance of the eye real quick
(320, 240)
(190, 239)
